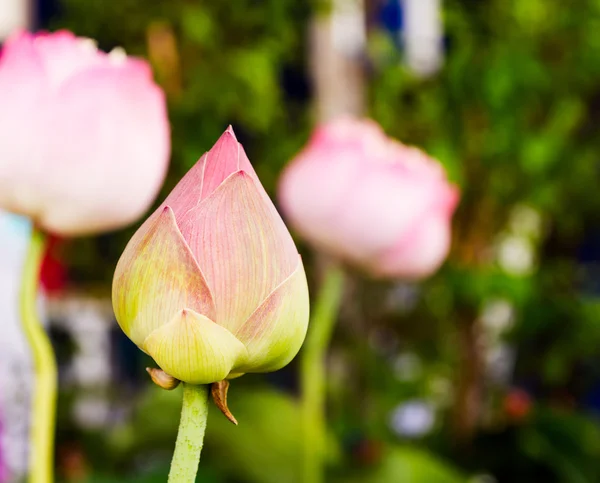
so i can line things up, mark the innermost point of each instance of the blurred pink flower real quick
(84, 141)
(370, 200)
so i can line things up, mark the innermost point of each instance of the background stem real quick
(469, 392)
(190, 437)
(41, 456)
(313, 373)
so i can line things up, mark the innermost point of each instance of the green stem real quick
(191, 434)
(41, 457)
(313, 373)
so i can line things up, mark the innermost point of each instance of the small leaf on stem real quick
(162, 379)
(219, 394)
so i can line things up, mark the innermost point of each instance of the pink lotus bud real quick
(84, 141)
(370, 200)
(211, 285)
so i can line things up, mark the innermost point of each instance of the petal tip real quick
(239, 175)
(242, 176)
(167, 212)
(229, 131)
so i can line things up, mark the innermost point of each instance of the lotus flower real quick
(369, 200)
(211, 286)
(85, 136)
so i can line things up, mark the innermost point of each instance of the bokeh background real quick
(487, 372)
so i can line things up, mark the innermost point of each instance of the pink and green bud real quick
(211, 286)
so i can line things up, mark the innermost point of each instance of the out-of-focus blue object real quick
(417, 29)
(391, 18)
(15, 361)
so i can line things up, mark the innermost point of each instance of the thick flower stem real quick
(41, 456)
(313, 376)
(190, 437)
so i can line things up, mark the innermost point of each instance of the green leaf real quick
(411, 465)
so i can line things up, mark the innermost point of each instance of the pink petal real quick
(226, 157)
(187, 194)
(275, 331)
(65, 55)
(242, 245)
(157, 277)
(357, 135)
(20, 63)
(312, 192)
(379, 209)
(23, 97)
(352, 209)
(221, 161)
(423, 249)
(111, 169)
(418, 255)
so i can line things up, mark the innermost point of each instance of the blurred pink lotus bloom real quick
(370, 200)
(212, 285)
(84, 135)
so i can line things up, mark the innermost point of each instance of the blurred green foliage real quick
(409, 464)
(513, 116)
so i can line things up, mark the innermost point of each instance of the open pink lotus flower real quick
(370, 200)
(84, 143)
(212, 286)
